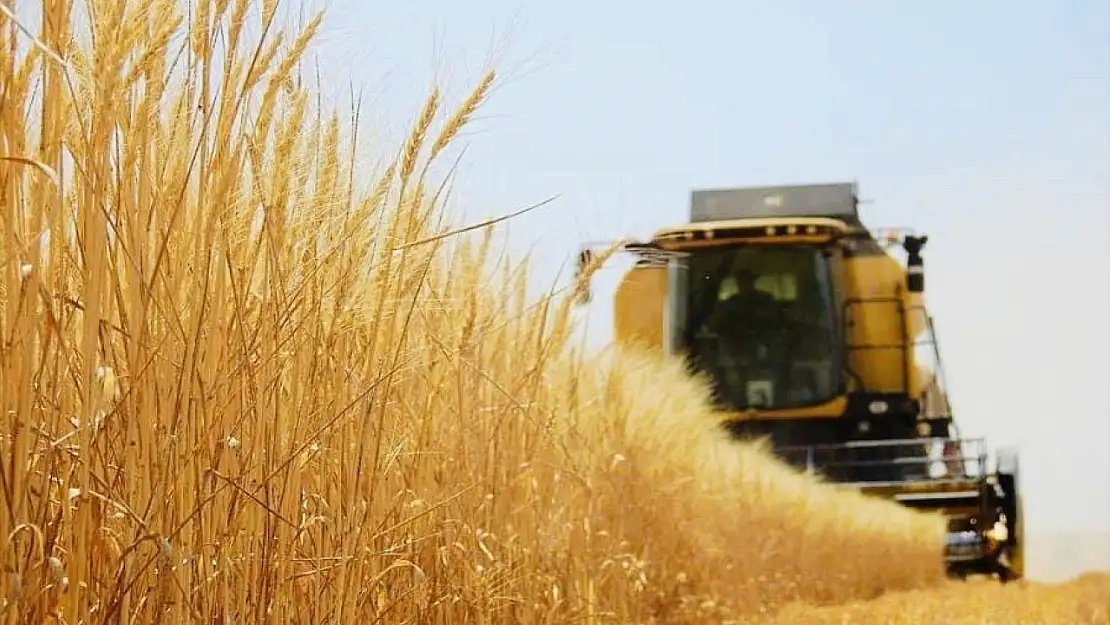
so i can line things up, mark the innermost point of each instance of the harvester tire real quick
(1014, 507)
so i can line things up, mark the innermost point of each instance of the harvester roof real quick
(836, 201)
(807, 213)
(770, 230)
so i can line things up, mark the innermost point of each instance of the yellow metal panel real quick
(934, 487)
(639, 307)
(875, 328)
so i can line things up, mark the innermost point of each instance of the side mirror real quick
(915, 265)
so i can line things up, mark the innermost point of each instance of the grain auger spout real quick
(816, 337)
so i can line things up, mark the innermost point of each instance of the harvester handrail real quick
(939, 481)
(887, 463)
(895, 442)
(965, 457)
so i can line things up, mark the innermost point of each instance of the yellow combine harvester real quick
(813, 336)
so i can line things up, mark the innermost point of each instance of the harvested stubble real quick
(238, 385)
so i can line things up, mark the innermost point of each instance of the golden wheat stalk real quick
(238, 386)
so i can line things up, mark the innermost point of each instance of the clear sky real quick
(985, 125)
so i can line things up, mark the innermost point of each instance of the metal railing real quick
(870, 461)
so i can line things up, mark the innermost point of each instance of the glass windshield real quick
(761, 325)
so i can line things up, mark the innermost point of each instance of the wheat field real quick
(247, 378)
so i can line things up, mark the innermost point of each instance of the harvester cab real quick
(814, 336)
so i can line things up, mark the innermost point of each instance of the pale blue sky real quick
(986, 125)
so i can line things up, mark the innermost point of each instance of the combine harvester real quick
(810, 331)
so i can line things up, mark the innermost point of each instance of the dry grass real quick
(242, 381)
(1082, 601)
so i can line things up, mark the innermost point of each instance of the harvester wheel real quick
(1013, 568)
